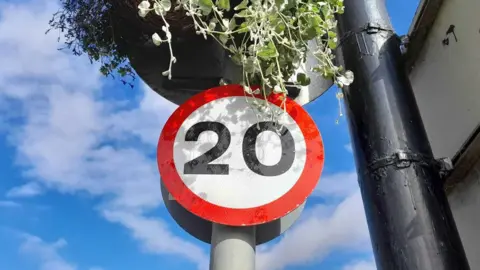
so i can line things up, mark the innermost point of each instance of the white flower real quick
(156, 39)
(143, 8)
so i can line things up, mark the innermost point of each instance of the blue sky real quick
(79, 187)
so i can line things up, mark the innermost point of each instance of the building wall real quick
(446, 78)
(465, 203)
(446, 82)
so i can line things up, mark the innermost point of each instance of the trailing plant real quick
(86, 26)
(268, 38)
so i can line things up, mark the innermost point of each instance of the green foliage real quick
(268, 38)
(86, 27)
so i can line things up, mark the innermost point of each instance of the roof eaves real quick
(464, 161)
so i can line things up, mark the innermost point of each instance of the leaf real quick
(225, 24)
(296, 60)
(122, 71)
(269, 70)
(332, 34)
(309, 33)
(223, 4)
(223, 38)
(303, 79)
(268, 51)
(332, 44)
(206, 6)
(280, 27)
(242, 14)
(232, 24)
(166, 4)
(242, 5)
(162, 7)
(237, 59)
(249, 65)
(104, 70)
(144, 5)
(243, 28)
(285, 4)
(156, 39)
(280, 3)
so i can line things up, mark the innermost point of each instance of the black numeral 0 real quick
(250, 154)
(200, 165)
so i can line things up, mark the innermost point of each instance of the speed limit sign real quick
(227, 163)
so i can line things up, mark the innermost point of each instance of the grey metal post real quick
(232, 248)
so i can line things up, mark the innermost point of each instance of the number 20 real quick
(201, 164)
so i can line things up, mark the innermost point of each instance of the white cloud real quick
(70, 141)
(349, 148)
(28, 190)
(338, 185)
(146, 122)
(323, 230)
(9, 204)
(362, 265)
(156, 238)
(37, 58)
(46, 254)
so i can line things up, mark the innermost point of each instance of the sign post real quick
(238, 168)
(232, 248)
(409, 218)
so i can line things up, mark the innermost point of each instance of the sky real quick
(79, 185)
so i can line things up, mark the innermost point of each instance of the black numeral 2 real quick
(200, 165)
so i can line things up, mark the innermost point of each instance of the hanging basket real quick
(113, 32)
(127, 10)
(200, 63)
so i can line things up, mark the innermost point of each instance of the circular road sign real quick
(227, 163)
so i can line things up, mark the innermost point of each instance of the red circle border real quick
(246, 216)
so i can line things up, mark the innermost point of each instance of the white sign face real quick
(238, 186)
(226, 162)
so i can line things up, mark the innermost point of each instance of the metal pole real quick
(409, 218)
(232, 248)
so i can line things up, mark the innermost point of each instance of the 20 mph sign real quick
(227, 164)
